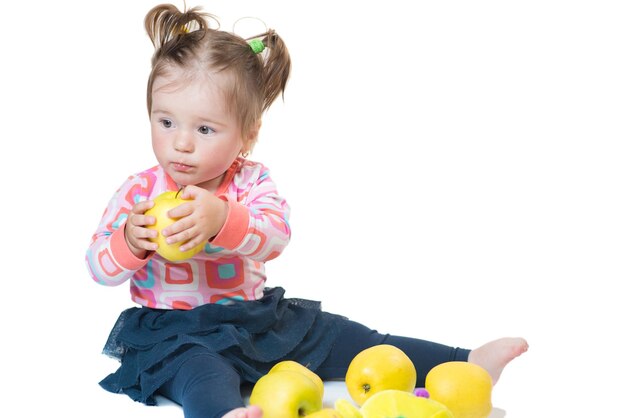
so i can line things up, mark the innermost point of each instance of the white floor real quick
(332, 392)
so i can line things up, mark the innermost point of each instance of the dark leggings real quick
(208, 386)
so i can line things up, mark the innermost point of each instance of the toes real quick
(517, 347)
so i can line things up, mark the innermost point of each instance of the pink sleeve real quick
(109, 260)
(235, 228)
(124, 256)
(257, 225)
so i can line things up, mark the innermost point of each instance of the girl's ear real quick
(250, 139)
(254, 132)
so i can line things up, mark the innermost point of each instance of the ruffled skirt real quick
(151, 344)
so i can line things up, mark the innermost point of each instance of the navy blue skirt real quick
(151, 344)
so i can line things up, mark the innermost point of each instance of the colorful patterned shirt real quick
(232, 265)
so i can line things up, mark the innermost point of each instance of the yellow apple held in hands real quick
(286, 394)
(162, 204)
(297, 367)
(379, 368)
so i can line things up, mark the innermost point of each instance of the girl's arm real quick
(109, 259)
(257, 224)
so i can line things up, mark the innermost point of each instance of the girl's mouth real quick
(183, 168)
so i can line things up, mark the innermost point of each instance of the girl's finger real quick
(195, 241)
(178, 227)
(148, 245)
(141, 207)
(145, 233)
(182, 210)
(182, 236)
(191, 192)
(143, 220)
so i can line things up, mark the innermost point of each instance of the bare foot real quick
(495, 355)
(249, 412)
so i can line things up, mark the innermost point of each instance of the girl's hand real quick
(199, 220)
(136, 234)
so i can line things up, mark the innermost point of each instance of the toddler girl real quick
(208, 324)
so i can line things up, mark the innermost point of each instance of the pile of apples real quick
(381, 382)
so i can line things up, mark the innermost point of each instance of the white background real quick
(455, 170)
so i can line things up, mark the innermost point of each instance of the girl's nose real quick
(183, 142)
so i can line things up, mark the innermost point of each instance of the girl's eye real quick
(205, 130)
(166, 123)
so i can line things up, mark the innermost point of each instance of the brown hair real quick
(185, 39)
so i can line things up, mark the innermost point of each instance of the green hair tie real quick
(257, 46)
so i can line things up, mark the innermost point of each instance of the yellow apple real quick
(399, 403)
(286, 394)
(346, 409)
(162, 204)
(325, 413)
(297, 367)
(379, 368)
(465, 388)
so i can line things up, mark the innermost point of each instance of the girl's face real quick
(194, 137)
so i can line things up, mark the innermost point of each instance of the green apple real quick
(286, 394)
(163, 203)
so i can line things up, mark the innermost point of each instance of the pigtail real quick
(165, 23)
(175, 36)
(276, 67)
